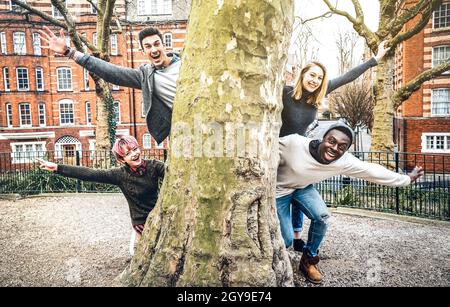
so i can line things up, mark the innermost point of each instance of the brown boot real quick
(309, 269)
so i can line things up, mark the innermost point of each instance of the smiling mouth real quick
(331, 155)
(137, 158)
(156, 56)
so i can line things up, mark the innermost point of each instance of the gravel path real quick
(83, 240)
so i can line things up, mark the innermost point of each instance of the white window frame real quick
(432, 101)
(4, 45)
(168, 34)
(58, 70)
(67, 102)
(17, 157)
(93, 9)
(88, 113)
(436, 11)
(86, 79)
(19, 49)
(37, 44)
(17, 79)
(20, 115)
(146, 141)
(147, 7)
(117, 115)
(160, 145)
(42, 115)
(115, 87)
(14, 7)
(56, 13)
(92, 144)
(142, 109)
(94, 38)
(6, 79)
(446, 136)
(114, 44)
(433, 51)
(9, 115)
(41, 70)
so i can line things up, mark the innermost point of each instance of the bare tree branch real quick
(53, 21)
(94, 5)
(407, 90)
(324, 15)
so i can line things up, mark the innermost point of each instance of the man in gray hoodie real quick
(157, 80)
(304, 162)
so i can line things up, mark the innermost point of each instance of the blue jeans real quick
(312, 205)
(297, 216)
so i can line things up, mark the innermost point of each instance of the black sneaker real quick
(298, 245)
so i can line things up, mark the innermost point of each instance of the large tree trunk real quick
(215, 223)
(383, 128)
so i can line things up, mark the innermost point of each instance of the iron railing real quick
(428, 197)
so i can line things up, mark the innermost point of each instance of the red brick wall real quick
(129, 55)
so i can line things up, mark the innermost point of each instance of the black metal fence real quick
(20, 174)
(428, 197)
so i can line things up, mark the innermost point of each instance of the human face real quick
(154, 49)
(313, 78)
(133, 157)
(335, 143)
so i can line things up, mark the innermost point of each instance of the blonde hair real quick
(318, 94)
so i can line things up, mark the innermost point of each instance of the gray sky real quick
(326, 29)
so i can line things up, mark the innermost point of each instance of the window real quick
(154, 7)
(56, 13)
(113, 39)
(86, 79)
(436, 142)
(22, 79)
(25, 115)
(88, 113)
(27, 152)
(115, 87)
(147, 141)
(19, 43)
(93, 9)
(168, 40)
(66, 116)
(6, 79)
(143, 109)
(16, 7)
(440, 55)
(117, 111)
(4, 48)
(94, 38)
(42, 121)
(39, 79)
(37, 44)
(160, 145)
(9, 122)
(440, 102)
(64, 78)
(441, 17)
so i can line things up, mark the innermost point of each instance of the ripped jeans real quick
(313, 206)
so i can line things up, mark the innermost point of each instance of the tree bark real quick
(383, 127)
(215, 223)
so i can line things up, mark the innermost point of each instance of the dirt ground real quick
(83, 240)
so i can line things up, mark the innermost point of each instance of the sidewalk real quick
(82, 240)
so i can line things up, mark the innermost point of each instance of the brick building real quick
(422, 123)
(48, 102)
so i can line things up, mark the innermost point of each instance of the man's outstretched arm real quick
(111, 73)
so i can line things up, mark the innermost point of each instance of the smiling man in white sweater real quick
(304, 162)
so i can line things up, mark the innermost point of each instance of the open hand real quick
(49, 166)
(381, 51)
(416, 173)
(55, 43)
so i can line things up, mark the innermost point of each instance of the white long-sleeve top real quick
(298, 169)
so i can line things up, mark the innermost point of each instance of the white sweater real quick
(298, 168)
